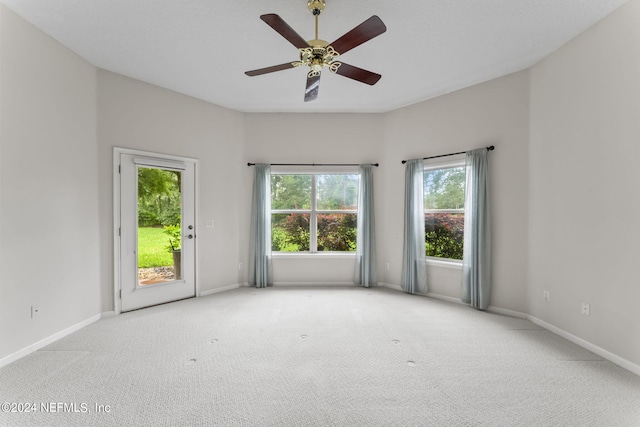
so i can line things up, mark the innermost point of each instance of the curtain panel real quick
(414, 272)
(260, 274)
(476, 259)
(365, 274)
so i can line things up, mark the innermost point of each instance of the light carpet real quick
(321, 356)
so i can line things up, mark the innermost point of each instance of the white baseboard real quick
(46, 341)
(491, 309)
(605, 354)
(445, 298)
(221, 289)
(428, 294)
(390, 286)
(314, 284)
(507, 312)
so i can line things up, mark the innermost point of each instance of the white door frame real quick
(117, 268)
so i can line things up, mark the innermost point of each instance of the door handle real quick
(189, 236)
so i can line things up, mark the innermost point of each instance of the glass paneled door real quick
(157, 230)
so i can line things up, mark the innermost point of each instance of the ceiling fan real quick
(317, 53)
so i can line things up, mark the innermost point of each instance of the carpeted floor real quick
(330, 356)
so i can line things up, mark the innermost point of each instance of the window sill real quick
(317, 255)
(444, 263)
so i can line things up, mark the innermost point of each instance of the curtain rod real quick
(315, 164)
(490, 148)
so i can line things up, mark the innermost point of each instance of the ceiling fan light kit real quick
(317, 54)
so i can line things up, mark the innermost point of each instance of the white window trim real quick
(444, 211)
(314, 170)
(313, 212)
(455, 264)
(445, 162)
(313, 255)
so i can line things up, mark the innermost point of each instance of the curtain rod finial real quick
(491, 148)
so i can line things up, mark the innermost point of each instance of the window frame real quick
(314, 211)
(436, 164)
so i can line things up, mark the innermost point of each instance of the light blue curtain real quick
(366, 240)
(414, 269)
(476, 258)
(260, 239)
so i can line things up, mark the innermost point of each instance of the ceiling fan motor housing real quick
(318, 55)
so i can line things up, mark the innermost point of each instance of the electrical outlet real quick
(545, 296)
(585, 309)
(240, 266)
(208, 223)
(386, 266)
(35, 311)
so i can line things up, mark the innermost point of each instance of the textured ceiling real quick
(202, 47)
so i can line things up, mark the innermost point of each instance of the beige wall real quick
(566, 136)
(136, 115)
(493, 113)
(312, 138)
(584, 194)
(49, 213)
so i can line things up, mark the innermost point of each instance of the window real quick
(444, 209)
(314, 212)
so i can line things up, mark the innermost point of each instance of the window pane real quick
(337, 192)
(289, 232)
(444, 234)
(290, 192)
(444, 188)
(337, 232)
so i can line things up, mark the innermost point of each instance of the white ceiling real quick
(202, 47)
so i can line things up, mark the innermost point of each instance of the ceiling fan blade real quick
(271, 69)
(278, 24)
(313, 86)
(358, 74)
(369, 29)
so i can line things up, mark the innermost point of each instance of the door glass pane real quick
(159, 225)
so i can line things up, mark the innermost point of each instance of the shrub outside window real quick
(314, 212)
(444, 210)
